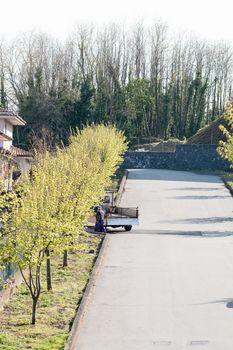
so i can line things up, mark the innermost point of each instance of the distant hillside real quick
(210, 134)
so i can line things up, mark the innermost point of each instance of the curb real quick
(227, 186)
(75, 329)
(121, 188)
(74, 333)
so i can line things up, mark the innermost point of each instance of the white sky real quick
(207, 18)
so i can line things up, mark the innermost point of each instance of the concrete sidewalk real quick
(169, 283)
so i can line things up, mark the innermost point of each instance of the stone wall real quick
(186, 157)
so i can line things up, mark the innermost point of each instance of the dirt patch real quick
(210, 134)
(161, 146)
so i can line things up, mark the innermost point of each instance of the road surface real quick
(168, 284)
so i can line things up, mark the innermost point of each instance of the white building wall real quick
(7, 129)
(6, 144)
(25, 165)
(2, 125)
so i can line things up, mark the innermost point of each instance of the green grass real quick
(56, 309)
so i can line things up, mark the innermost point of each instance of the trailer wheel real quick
(128, 228)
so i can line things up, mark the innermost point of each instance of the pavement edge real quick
(122, 187)
(74, 332)
(227, 186)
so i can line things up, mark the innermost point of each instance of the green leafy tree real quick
(138, 107)
(53, 208)
(225, 148)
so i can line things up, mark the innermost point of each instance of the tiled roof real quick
(4, 137)
(19, 152)
(11, 115)
(6, 112)
(5, 152)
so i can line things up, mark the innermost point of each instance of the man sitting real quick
(99, 224)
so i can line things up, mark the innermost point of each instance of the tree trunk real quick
(48, 271)
(65, 258)
(34, 304)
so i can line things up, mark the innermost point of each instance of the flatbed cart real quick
(122, 217)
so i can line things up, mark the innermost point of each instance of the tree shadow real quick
(204, 234)
(210, 220)
(227, 301)
(199, 197)
(193, 189)
(181, 233)
(171, 175)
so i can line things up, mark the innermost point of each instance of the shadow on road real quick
(193, 189)
(202, 234)
(227, 301)
(210, 220)
(171, 175)
(199, 197)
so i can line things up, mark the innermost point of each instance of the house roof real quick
(4, 137)
(19, 152)
(15, 152)
(12, 117)
(4, 152)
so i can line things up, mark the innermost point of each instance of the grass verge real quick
(56, 309)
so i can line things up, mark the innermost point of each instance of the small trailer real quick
(116, 216)
(121, 217)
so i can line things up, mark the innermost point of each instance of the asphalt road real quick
(168, 284)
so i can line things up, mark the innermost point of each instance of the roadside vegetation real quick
(225, 148)
(56, 308)
(45, 217)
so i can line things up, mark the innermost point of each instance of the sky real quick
(209, 19)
